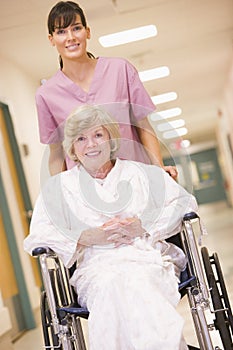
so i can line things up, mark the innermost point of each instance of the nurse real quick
(83, 79)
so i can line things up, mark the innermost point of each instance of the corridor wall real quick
(17, 90)
(225, 135)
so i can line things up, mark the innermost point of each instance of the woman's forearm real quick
(151, 144)
(56, 159)
(150, 141)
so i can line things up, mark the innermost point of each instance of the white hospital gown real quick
(130, 291)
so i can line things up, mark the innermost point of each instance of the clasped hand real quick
(117, 231)
(123, 231)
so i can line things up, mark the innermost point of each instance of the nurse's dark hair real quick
(62, 15)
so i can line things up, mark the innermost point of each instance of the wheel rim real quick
(219, 297)
(223, 289)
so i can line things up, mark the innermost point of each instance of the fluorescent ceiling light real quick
(167, 113)
(154, 73)
(171, 125)
(175, 133)
(185, 143)
(127, 36)
(169, 96)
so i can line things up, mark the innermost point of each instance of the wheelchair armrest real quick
(41, 250)
(190, 216)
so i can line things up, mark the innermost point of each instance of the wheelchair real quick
(202, 282)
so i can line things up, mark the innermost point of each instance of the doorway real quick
(15, 205)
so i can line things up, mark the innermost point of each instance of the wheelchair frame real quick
(61, 315)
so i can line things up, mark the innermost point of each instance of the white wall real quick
(17, 90)
(229, 101)
(225, 135)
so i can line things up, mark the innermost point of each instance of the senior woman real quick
(112, 216)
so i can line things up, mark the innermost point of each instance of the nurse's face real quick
(71, 42)
(92, 148)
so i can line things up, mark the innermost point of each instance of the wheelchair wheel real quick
(50, 339)
(223, 316)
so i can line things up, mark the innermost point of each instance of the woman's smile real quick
(72, 47)
(93, 154)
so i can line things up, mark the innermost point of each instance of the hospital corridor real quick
(159, 76)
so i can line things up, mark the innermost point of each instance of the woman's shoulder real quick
(135, 166)
(119, 62)
(151, 171)
(64, 178)
(133, 163)
(47, 84)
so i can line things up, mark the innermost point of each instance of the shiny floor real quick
(218, 219)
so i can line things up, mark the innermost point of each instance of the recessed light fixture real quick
(171, 125)
(169, 96)
(167, 113)
(154, 73)
(175, 133)
(127, 36)
(185, 143)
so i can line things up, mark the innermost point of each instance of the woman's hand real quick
(117, 231)
(123, 231)
(171, 170)
(94, 236)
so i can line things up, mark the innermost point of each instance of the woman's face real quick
(71, 42)
(92, 148)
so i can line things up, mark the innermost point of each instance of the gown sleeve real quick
(168, 203)
(52, 224)
(43, 233)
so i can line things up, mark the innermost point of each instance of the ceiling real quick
(194, 40)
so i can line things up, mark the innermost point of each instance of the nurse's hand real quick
(171, 170)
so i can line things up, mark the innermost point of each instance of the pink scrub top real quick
(115, 86)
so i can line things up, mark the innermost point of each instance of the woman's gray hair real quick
(85, 117)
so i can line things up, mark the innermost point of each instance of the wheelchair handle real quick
(40, 250)
(190, 216)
